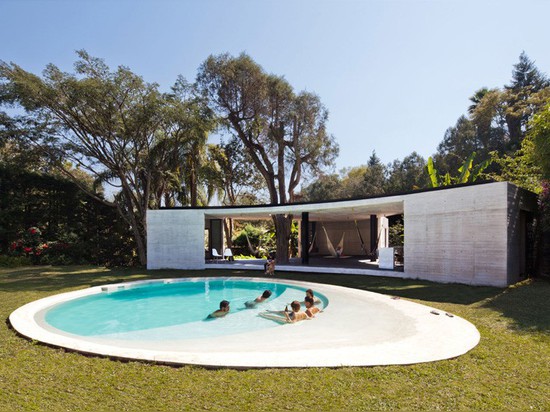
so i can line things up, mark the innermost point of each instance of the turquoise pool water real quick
(175, 310)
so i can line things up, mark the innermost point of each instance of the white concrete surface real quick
(175, 240)
(386, 258)
(357, 328)
(467, 234)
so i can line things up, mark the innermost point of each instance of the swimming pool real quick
(356, 328)
(172, 309)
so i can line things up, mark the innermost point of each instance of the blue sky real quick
(393, 74)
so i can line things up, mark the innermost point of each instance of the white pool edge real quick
(438, 337)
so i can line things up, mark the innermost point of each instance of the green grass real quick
(509, 369)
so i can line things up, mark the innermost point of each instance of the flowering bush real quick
(32, 246)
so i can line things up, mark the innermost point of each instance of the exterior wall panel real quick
(457, 235)
(175, 239)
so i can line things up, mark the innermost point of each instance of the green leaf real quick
(434, 179)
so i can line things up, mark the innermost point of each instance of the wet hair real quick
(295, 306)
(310, 300)
(310, 292)
(224, 304)
(266, 294)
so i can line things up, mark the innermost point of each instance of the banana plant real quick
(467, 172)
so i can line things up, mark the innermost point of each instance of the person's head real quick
(309, 293)
(295, 306)
(266, 294)
(224, 305)
(309, 302)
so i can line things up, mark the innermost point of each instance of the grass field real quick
(508, 370)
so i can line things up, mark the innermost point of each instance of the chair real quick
(215, 254)
(228, 254)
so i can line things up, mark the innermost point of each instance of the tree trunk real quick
(141, 246)
(228, 231)
(282, 230)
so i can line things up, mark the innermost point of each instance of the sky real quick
(394, 74)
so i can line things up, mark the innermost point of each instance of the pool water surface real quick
(175, 310)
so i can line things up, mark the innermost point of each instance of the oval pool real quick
(357, 328)
(172, 309)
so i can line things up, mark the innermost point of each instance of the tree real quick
(527, 81)
(497, 121)
(108, 123)
(458, 141)
(374, 179)
(407, 175)
(283, 133)
(537, 143)
(325, 187)
(467, 172)
(234, 177)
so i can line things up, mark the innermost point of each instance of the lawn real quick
(509, 369)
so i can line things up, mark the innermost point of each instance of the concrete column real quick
(373, 236)
(304, 238)
(216, 235)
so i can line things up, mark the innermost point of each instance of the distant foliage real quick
(49, 220)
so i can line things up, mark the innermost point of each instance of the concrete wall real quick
(462, 235)
(175, 239)
(472, 234)
(335, 230)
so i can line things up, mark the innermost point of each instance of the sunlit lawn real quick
(509, 369)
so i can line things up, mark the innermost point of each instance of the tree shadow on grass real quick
(62, 278)
(527, 304)
(407, 288)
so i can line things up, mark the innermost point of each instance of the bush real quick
(14, 261)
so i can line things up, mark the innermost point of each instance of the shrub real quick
(14, 261)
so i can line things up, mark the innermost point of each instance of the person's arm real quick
(288, 318)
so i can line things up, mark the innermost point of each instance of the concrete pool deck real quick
(358, 328)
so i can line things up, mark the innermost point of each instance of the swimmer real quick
(296, 314)
(222, 311)
(309, 293)
(288, 316)
(263, 297)
(311, 309)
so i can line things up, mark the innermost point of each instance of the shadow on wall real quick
(527, 304)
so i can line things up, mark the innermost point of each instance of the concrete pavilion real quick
(475, 234)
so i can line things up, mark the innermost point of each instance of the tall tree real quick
(283, 133)
(459, 141)
(408, 174)
(325, 187)
(234, 176)
(105, 122)
(527, 80)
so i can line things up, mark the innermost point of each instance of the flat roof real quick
(330, 210)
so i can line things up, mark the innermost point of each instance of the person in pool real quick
(310, 293)
(297, 314)
(311, 309)
(222, 311)
(286, 316)
(262, 298)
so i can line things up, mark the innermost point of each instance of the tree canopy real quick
(115, 126)
(283, 132)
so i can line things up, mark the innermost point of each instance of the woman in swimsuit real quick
(311, 309)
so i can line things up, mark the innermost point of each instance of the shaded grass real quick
(509, 369)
